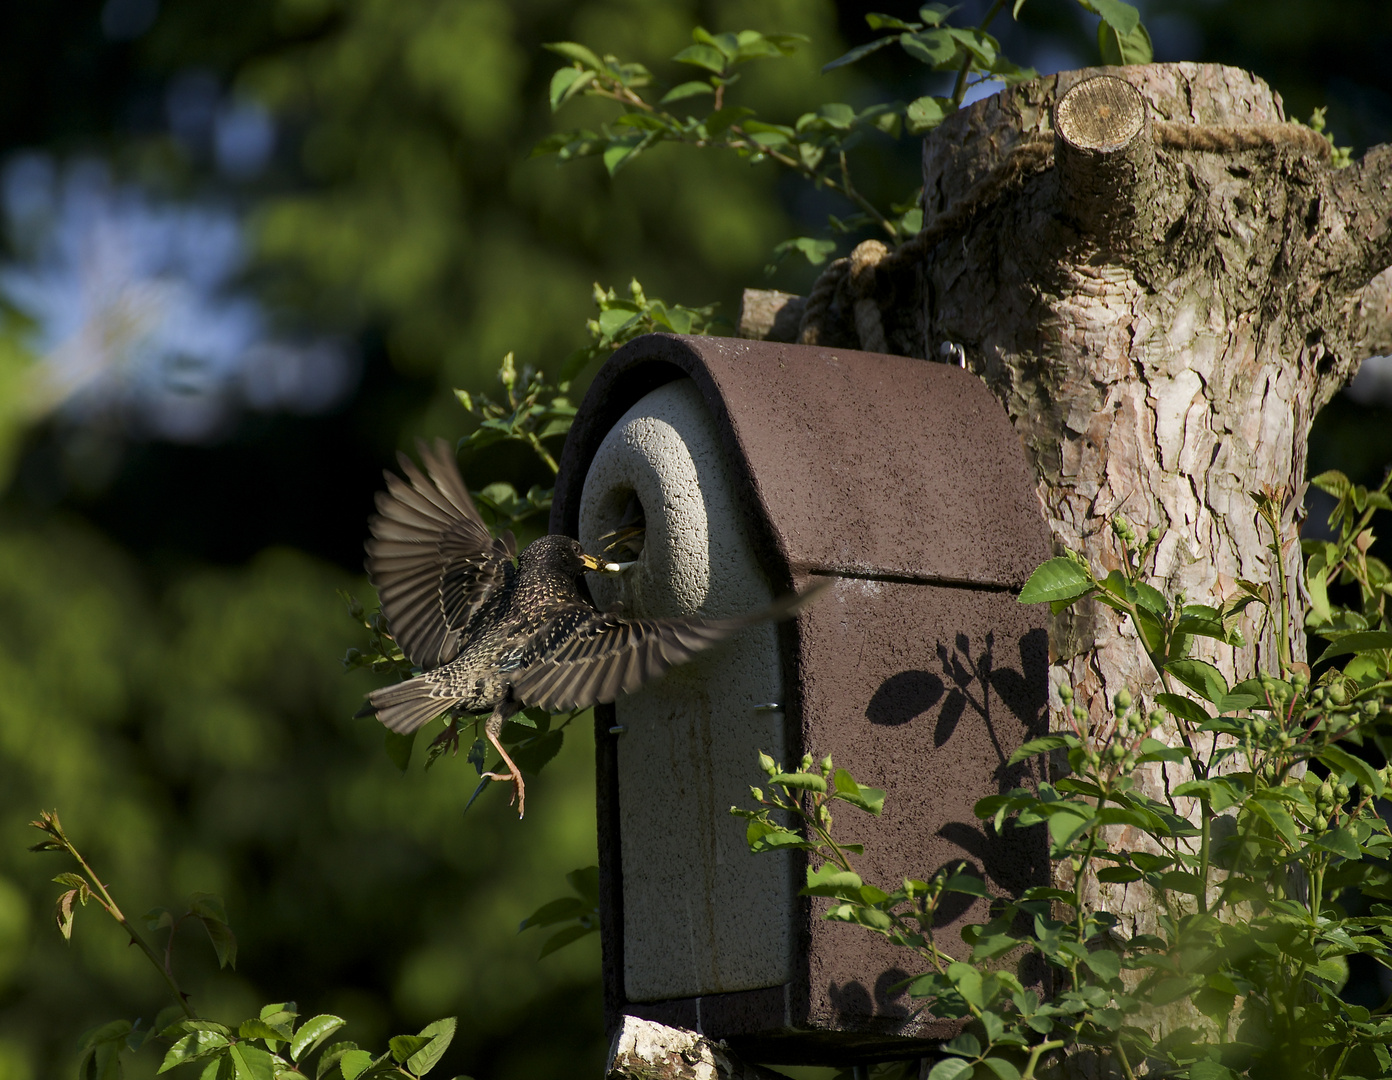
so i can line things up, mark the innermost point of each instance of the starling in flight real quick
(492, 637)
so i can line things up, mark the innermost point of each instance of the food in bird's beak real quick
(591, 563)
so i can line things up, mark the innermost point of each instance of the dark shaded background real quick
(169, 629)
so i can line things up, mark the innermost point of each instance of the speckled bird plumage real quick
(491, 636)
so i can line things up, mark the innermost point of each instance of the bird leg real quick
(492, 729)
(449, 738)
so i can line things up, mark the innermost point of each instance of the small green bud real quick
(1258, 727)
(1065, 693)
(767, 763)
(826, 765)
(1300, 680)
(1116, 751)
(758, 794)
(806, 764)
(1371, 708)
(1337, 693)
(1156, 717)
(1153, 533)
(1079, 713)
(1341, 792)
(1326, 792)
(1122, 699)
(1321, 823)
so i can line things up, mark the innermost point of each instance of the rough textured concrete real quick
(920, 672)
(691, 926)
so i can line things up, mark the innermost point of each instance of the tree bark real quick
(1161, 304)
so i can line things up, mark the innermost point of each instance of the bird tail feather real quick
(406, 706)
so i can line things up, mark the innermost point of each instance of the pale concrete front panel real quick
(700, 914)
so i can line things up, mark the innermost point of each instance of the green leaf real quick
(964, 1045)
(353, 1063)
(198, 1044)
(878, 21)
(1103, 964)
(1333, 482)
(405, 1046)
(1341, 842)
(1057, 579)
(573, 51)
(704, 56)
(1367, 641)
(251, 1062)
(925, 113)
(686, 90)
(765, 836)
(1341, 761)
(567, 907)
(313, 1032)
(935, 47)
(561, 938)
(859, 52)
(398, 748)
(1000, 1066)
(868, 799)
(800, 781)
(566, 83)
(331, 1057)
(1119, 49)
(815, 251)
(1275, 815)
(620, 151)
(1042, 745)
(259, 1029)
(1201, 677)
(830, 880)
(719, 121)
(441, 1034)
(950, 1069)
(1123, 17)
(1119, 875)
(585, 881)
(1152, 599)
(1064, 826)
(969, 884)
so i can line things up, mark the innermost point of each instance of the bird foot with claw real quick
(518, 790)
(448, 739)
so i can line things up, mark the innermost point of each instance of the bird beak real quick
(591, 563)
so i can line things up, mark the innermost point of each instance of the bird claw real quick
(518, 789)
(448, 739)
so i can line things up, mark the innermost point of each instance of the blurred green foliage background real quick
(170, 631)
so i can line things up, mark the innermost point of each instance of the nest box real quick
(752, 468)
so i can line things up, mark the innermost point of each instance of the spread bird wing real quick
(587, 658)
(431, 558)
(596, 657)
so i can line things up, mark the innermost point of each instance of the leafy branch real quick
(223, 1052)
(1246, 854)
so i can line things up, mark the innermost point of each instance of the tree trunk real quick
(1162, 281)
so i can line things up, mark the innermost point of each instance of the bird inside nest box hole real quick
(699, 915)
